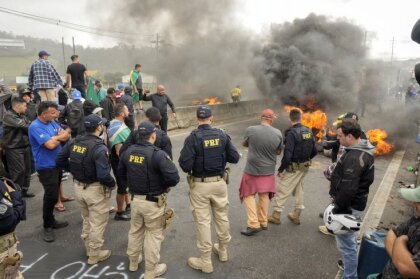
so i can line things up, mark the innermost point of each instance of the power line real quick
(77, 27)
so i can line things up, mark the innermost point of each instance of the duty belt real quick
(207, 179)
(7, 241)
(85, 185)
(147, 197)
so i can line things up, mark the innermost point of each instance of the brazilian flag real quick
(133, 78)
(91, 93)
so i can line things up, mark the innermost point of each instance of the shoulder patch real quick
(3, 209)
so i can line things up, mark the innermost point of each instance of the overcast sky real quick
(382, 19)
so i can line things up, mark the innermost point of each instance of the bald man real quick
(161, 101)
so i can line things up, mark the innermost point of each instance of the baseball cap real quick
(24, 92)
(268, 113)
(203, 112)
(43, 53)
(94, 120)
(121, 86)
(146, 128)
(347, 115)
(412, 195)
(76, 94)
(97, 109)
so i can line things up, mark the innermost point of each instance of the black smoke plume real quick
(313, 62)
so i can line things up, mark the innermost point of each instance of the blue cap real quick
(121, 86)
(146, 128)
(76, 94)
(204, 112)
(43, 53)
(94, 120)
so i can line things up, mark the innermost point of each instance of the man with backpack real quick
(72, 115)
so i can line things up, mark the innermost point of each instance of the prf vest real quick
(142, 178)
(82, 161)
(210, 148)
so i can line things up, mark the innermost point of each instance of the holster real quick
(168, 217)
(190, 179)
(12, 264)
(226, 175)
(162, 200)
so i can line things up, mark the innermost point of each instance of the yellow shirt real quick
(235, 92)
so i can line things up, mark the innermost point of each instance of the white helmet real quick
(341, 223)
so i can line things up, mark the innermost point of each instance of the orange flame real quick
(212, 101)
(196, 102)
(316, 120)
(377, 137)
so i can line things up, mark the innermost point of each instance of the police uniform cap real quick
(146, 128)
(94, 120)
(204, 112)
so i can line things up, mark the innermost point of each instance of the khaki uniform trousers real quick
(47, 94)
(291, 183)
(146, 231)
(209, 198)
(10, 252)
(94, 205)
(257, 215)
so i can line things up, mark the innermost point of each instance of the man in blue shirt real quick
(46, 137)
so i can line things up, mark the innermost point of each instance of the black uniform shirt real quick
(160, 102)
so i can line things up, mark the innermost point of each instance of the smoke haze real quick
(204, 52)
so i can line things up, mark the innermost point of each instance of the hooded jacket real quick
(352, 177)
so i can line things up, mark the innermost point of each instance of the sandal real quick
(67, 199)
(60, 208)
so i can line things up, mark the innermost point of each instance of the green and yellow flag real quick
(91, 93)
(133, 79)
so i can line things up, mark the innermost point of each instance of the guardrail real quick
(186, 116)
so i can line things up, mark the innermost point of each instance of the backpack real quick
(75, 116)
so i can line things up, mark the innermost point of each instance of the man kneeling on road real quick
(403, 243)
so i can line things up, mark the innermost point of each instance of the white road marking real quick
(376, 209)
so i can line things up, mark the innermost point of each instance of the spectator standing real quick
(16, 141)
(118, 132)
(108, 104)
(31, 107)
(100, 91)
(127, 100)
(72, 115)
(77, 75)
(43, 78)
(264, 144)
(136, 83)
(46, 137)
(161, 101)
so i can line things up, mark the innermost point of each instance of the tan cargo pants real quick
(94, 206)
(209, 198)
(146, 231)
(257, 215)
(47, 94)
(291, 183)
(12, 251)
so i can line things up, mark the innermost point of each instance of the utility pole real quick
(392, 50)
(64, 56)
(156, 42)
(74, 48)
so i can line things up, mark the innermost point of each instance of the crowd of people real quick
(100, 147)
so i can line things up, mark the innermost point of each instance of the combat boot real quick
(134, 263)
(98, 256)
(275, 218)
(221, 251)
(295, 216)
(200, 264)
(159, 270)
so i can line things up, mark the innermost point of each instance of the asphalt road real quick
(283, 251)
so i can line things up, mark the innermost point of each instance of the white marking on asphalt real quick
(26, 267)
(376, 209)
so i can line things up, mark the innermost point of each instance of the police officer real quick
(162, 139)
(86, 157)
(149, 173)
(204, 156)
(12, 211)
(299, 150)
